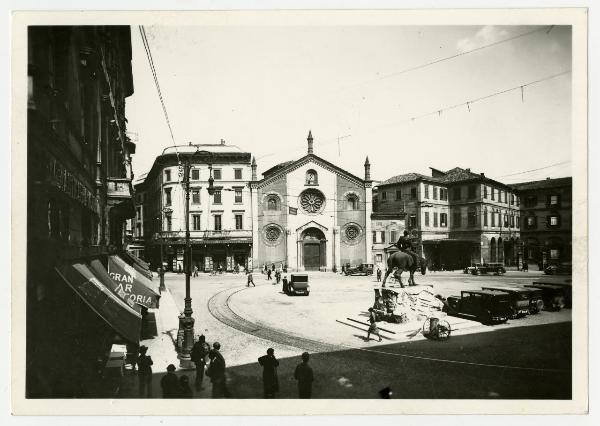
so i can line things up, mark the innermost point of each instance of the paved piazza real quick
(523, 358)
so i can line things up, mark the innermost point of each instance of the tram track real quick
(218, 306)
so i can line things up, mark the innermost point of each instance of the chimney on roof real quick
(547, 178)
(482, 175)
(468, 170)
(309, 139)
(253, 168)
(189, 143)
(367, 169)
(222, 141)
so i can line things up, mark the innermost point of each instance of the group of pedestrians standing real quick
(303, 374)
(179, 387)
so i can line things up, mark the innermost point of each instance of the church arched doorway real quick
(313, 249)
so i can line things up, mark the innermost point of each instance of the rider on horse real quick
(404, 244)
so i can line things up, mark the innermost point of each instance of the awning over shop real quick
(114, 311)
(132, 285)
(139, 265)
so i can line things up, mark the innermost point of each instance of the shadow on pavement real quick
(515, 363)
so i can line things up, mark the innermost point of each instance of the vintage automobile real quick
(485, 268)
(363, 269)
(566, 287)
(519, 297)
(559, 268)
(298, 284)
(553, 295)
(469, 269)
(486, 306)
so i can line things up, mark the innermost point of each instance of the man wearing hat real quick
(145, 373)
(169, 383)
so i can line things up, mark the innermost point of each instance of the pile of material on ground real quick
(418, 303)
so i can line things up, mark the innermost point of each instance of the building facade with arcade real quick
(309, 214)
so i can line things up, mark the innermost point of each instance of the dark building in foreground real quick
(79, 196)
(546, 210)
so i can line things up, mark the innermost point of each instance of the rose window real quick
(312, 201)
(352, 232)
(272, 234)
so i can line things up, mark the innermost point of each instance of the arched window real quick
(272, 202)
(312, 178)
(352, 202)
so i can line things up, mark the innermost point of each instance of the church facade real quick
(310, 215)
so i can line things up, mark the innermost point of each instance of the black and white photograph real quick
(295, 205)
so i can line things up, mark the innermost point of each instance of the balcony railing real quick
(226, 233)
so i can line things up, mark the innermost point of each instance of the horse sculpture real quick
(400, 262)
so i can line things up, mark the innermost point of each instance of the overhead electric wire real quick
(447, 58)
(501, 92)
(535, 170)
(156, 83)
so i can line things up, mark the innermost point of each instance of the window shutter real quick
(548, 221)
(374, 237)
(558, 220)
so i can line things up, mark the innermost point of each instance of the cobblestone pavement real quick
(525, 358)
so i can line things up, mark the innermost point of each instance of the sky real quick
(263, 88)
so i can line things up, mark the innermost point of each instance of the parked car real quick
(566, 287)
(485, 305)
(485, 268)
(519, 297)
(559, 268)
(298, 284)
(469, 270)
(362, 269)
(554, 295)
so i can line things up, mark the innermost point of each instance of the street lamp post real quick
(186, 321)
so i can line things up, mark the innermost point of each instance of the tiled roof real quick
(276, 167)
(408, 177)
(541, 184)
(191, 148)
(457, 175)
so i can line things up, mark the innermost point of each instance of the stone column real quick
(368, 212)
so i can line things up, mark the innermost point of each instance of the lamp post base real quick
(185, 360)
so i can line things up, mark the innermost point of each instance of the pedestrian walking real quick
(277, 277)
(373, 327)
(285, 284)
(270, 381)
(304, 375)
(169, 383)
(268, 274)
(216, 372)
(250, 280)
(199, 353)
(185, 391)
(195, 270)
(144, 373)
(266, 268)
(378, 274)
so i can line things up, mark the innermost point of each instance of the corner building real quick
(310, 215)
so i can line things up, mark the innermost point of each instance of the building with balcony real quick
(309, 214)
(79, 196)
(220, 224)
(456, 217)
(546, 212)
